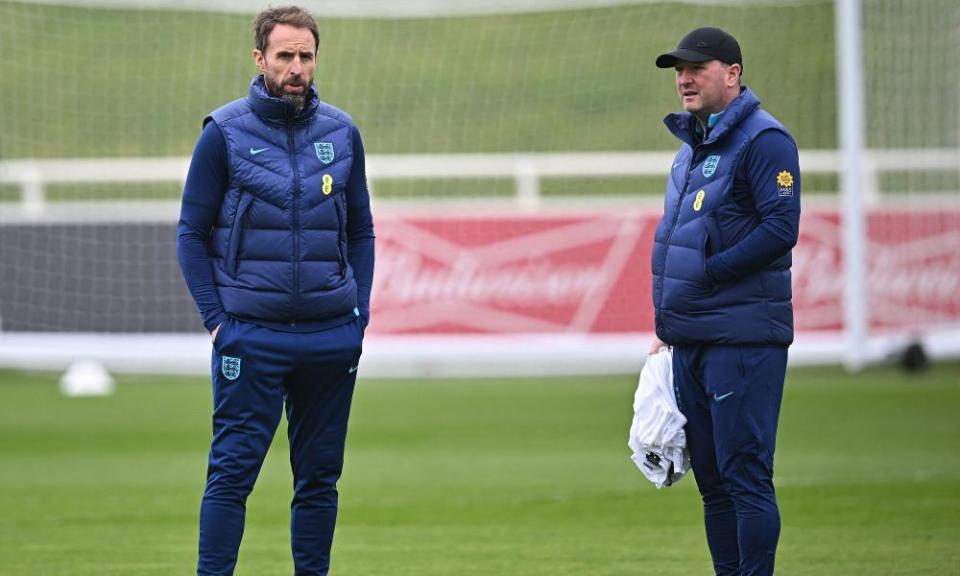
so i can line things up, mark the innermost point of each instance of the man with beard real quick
(276, 245)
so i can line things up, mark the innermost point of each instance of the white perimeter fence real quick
(527, 171)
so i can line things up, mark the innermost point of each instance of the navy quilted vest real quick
(279, 245)
(689, 309)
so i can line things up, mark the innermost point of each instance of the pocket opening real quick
(231, 262)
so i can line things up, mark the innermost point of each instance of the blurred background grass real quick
(87, 82)
(98, 82)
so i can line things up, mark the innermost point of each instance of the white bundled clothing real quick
(657, 438)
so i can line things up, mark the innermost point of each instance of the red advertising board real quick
(913, 270)
(590, 273)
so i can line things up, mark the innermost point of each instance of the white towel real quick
(656, 434)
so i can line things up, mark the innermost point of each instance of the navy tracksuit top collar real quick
(273, 110)
(682, 124)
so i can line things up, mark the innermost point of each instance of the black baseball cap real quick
(702, 45)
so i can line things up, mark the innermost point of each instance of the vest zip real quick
(296, 223)
(341, 232)
(676, 218)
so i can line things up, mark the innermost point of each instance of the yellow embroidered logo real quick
(698, 201)
(785, 179)
(327, 184)
(785, 183)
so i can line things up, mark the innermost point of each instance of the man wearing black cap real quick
(721, 292)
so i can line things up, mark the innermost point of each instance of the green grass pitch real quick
(481, 477)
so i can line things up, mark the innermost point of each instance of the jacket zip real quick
(296, 223)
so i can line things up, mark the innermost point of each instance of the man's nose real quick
(296, 67)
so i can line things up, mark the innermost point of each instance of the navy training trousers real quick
(256, 371)
(731, 398)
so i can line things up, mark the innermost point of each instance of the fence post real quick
(31, 191)
(527, 181)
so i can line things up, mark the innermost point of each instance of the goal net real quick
(516, 157)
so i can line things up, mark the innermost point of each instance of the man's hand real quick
(656, 345)
(213, 335)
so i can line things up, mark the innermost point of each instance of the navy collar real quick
(683, 125)
(273, 109)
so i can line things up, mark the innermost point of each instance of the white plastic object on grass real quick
(86, 378)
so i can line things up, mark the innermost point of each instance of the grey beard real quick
(295, 100)
(298, 101)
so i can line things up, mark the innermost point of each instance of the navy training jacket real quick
(279, 246)
(721, 256)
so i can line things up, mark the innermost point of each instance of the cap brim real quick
(669, 60)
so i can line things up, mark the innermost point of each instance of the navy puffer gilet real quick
(689, 308)
(279, 247)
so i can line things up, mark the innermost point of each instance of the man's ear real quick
(736, 73)
(259, 60)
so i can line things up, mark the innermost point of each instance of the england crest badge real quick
(324, 151)
(230, 366)
(710, 165)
